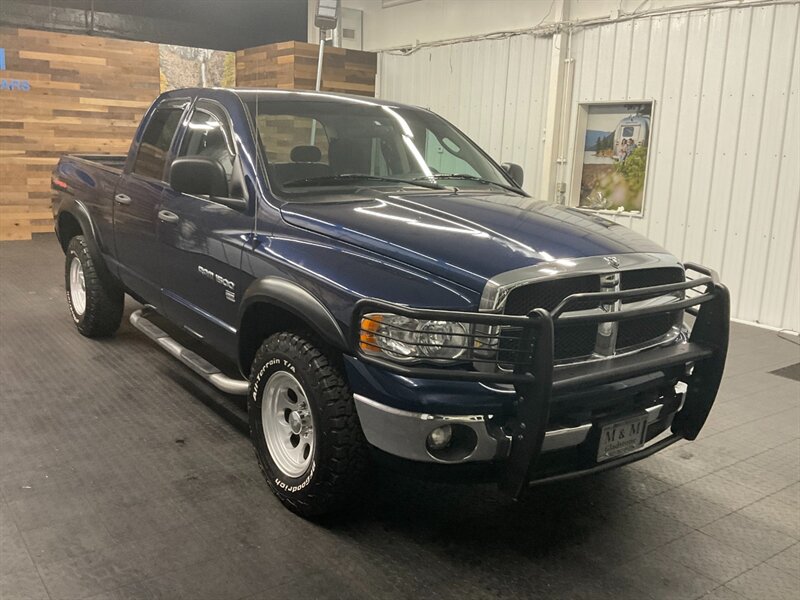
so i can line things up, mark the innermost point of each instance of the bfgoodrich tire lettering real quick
(336, 465)
(95, 304)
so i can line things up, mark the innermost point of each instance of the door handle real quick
(122, 198)
(168, 216)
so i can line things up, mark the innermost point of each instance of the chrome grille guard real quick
(535, 378)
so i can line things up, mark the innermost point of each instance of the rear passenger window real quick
(156, 140)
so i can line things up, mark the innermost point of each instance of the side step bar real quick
(194, 361)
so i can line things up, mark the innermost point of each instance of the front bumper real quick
(404, 433)
(543, 436)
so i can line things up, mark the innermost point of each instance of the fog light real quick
(439, 438)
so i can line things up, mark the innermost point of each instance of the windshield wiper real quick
(346, 177)
(471, 178)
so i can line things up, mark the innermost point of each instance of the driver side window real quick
(209, 136)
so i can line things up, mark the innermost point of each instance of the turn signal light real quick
(370, 325)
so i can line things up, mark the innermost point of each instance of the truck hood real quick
(466, 237)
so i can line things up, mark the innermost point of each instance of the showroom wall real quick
(723, 188)
(294, 65)
(504, 109)
(434, 20)
(722, 183)
(63, 93)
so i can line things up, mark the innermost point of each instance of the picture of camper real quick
(615, 149)
(631, 133)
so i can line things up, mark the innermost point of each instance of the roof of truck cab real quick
(269, 94)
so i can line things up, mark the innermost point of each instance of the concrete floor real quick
(119, 478)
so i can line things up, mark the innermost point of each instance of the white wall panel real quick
(494, 90)
(723, 186)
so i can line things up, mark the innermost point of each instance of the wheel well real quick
(68, 228)
(260, 321)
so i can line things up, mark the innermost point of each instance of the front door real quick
(202, 240)
(136, 204)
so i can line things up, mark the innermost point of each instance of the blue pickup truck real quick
(386, 292)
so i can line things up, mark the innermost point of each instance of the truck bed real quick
(111, 161)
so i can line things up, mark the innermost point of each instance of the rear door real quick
(201, 241)
(136, 203)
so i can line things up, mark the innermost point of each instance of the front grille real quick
(643, 329)
(576, 341)
(548, 294)
(573, 342)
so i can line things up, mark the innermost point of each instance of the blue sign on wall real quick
(11, 85)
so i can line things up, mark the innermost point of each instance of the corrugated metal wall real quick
(723, 185)
(494, 90)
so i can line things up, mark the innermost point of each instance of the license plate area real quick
(621, 437)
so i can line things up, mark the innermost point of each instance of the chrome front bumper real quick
(404, 434)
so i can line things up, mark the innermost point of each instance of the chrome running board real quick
(194, 361)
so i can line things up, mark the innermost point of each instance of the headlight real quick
(406, 339)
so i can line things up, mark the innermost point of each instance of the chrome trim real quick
(653, 413)
(497, 289)
(673, 335)
(605, 343)
(565, 437)
(237, 387)
(403, 433)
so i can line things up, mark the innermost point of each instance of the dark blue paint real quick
(427, 249)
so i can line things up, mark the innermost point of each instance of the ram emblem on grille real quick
(612, 261)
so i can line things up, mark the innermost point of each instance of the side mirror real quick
(201, 176)
(515, 172)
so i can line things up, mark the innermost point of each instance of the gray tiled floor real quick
(117, 480)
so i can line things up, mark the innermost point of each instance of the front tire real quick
(304, 426)
(95, 304)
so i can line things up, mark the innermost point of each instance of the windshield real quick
(346, 143)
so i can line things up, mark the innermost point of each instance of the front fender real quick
(292, 298)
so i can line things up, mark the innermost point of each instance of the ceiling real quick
(218, 24)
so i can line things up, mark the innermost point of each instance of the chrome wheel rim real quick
(288, 424)
(77, 286)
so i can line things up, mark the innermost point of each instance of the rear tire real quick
(95, 304)
(304, 426)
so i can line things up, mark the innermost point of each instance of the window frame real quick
(224, 117)
(182, 104)
(280, 195)
(177, 142)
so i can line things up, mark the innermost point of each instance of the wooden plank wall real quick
(293, 65)
(87, 94)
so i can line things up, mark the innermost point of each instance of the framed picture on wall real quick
(611, 156)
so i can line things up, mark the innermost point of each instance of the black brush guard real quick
(536, 381)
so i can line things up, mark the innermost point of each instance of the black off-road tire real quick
(104, 299)
(339, 459)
